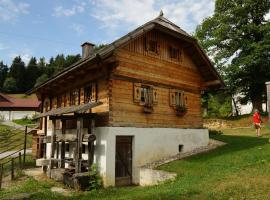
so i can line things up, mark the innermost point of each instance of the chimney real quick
(87, 49)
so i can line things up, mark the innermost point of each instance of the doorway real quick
(123, 160)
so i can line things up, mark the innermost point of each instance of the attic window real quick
(174, 53)
(153, 46)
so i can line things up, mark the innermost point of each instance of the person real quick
(257, 122)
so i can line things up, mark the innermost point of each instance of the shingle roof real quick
(159, 22)
(7, 101)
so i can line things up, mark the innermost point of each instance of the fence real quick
(12, 158)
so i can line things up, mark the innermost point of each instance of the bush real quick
(215, 132)
(95, 180)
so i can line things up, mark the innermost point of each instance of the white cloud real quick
(10, 10)
(60, 11)
(78, 28)
(186, 13)
(25, 54)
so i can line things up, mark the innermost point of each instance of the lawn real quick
(26, 122)
(11, 139)
(239, 170)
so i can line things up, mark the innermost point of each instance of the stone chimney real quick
(87, 49)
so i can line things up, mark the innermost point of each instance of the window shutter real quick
(155, 96)
(150, 97)
(94, 93)
(137, 92)
(172, 97)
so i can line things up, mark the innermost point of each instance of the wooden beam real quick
(211, 83)
(63, 144)
(91, 145)
(52, 145)
(78, 149)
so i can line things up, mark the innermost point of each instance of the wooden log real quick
(52, 145)
(63, 144)
(91, 149)
(78, 149)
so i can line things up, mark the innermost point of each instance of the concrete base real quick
(150, 177)
(148, 145)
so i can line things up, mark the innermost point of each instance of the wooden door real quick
(123, 161)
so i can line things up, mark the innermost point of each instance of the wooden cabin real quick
(133, 102)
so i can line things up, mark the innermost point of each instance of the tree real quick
(32, 73)
(17, 71)
(237, 37)
(10, 85)
(41, 79)
(3, 74)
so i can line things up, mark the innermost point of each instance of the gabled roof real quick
(208, 71)
(7, 101)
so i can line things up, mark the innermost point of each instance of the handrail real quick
(12, 153)
(11, 149)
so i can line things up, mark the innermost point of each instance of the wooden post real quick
(78, 149)
(24, 146)
(20, 160)
(12, 168)
(63, 145)
(45, 133)
(91, 145)
(52, 145)
(1, 174)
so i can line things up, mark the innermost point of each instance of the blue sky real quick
(47, 28)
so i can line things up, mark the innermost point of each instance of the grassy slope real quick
(10, 139)
(239, 170)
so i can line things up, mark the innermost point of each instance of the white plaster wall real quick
(149, 144)
(11, 115)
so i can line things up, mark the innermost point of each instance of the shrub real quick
(95, 180)
(215, 132)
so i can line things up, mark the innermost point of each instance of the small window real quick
(147, 96)
(90, 93)
(59, 101)
(73, 96)
(87, 94)
(153, 46)
(180, 148)
(174, 53)
(179, 98)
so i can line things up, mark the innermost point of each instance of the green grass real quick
(11, 139)
(239, 170)
(26, 122)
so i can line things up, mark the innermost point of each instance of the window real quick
(73, 97)
(147, 96)
(174, 53)
(178, 100)
(90, 93)
(59, 101)
(153, 46)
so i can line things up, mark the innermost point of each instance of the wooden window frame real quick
(178, 100)
(74, 95)
(146, 96)
(90, 93)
